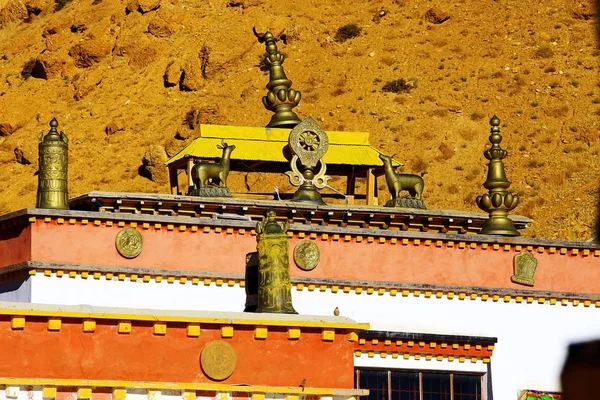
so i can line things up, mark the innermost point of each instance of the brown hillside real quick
(111, 72)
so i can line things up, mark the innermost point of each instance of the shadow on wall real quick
(16, 290)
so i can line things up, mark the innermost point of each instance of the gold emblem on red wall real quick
(218, 360)
(129, 242)
(525, 266)
(306, 255)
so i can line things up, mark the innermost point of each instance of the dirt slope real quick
(111, 72)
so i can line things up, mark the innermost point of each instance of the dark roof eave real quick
(370, 334)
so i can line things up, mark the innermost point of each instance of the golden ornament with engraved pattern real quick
(218, 360)
(525, 266)
(306, 255)
(129, 243)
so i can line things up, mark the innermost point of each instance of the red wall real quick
(70, 353)
(223, 252)
(15, 245)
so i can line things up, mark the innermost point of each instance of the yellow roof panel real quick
(276, 134)
(268, 144)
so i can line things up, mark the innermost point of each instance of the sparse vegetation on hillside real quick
(130, 81)
(397, 86)
(346, 32)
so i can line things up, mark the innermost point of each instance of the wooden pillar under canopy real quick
(350, 187)
(173, 179)
(190, 165)
(371, 188)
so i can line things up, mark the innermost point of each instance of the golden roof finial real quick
(280, 98)
(498, 202)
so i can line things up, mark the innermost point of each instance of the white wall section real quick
(532, 338)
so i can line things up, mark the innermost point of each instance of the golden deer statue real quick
(203, 173)
(398, 182)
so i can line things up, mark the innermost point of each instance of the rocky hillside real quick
(130, 81)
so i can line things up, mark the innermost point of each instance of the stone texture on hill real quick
(153, 164)
(13, 11)
(125, 78)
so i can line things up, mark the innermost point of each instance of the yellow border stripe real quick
(182, 386)
(167, 318)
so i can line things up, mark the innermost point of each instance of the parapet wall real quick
(112, 344)
(371, 259)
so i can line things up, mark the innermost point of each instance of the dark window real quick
(436, 386)
(467, 387)
(377, 382)
(410, 385)
(404, 385)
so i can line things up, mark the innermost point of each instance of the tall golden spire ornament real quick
(53, 191)
(498, 202)
(280, 98)
(274, 284)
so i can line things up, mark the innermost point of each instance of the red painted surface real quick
(222, 252)
(15, 245)
(105, 354)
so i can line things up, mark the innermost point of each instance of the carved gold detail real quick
(53, 169)
(307, 255)
(129, 242)
(308, 143)
(281, 98)
(498, 201)
(525, 266)
(274, 285)
(218, 360)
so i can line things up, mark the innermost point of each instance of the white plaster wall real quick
(532, 338)
(115, 293)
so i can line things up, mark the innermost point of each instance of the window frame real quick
(451, 374)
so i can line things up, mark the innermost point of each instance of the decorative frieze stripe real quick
(419, 356)
(193, 330)
(132, 277)
(385, 288)
(357, 235)
(19, 318)
(448, 294)
(425, 347)
(13, 387)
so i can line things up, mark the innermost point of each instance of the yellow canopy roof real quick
(268, 144)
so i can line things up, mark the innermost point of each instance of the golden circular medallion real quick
(306, 255)
(309, 142)
(218, 360)
(129, 243)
